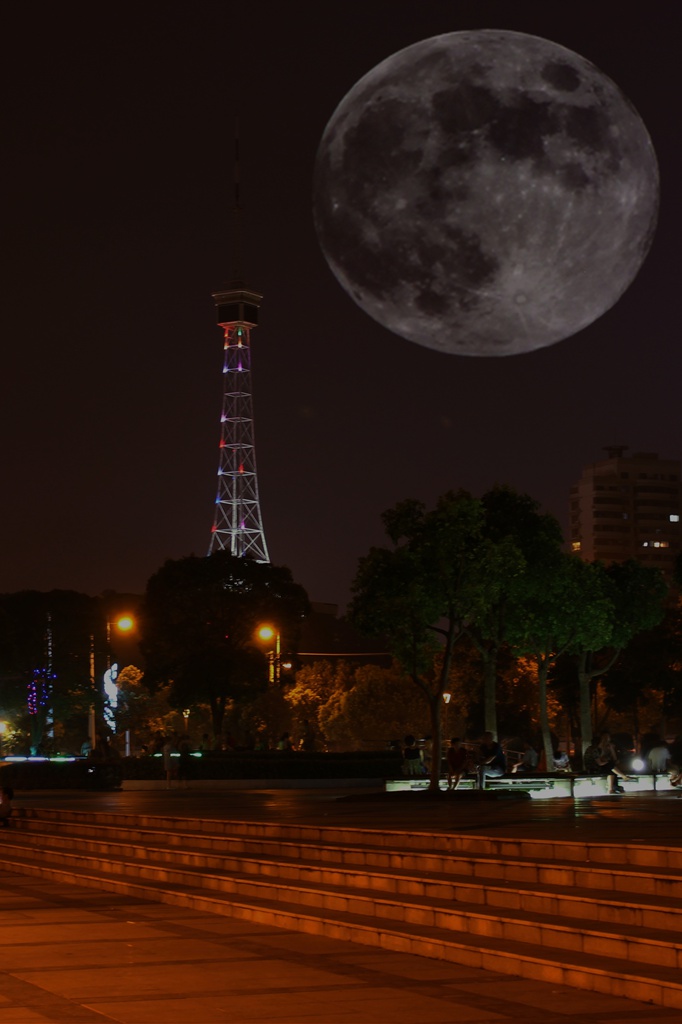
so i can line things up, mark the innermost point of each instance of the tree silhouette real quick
(420, 593)
(198, 626)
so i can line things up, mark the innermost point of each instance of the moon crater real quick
(485, 193)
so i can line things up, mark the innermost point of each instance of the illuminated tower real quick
(237, 525)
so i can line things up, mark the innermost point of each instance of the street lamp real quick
(447, 697)
(268, 633)
(124, 623)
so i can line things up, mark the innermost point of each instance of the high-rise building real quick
(628, 507)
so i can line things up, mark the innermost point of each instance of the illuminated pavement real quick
(649, 817)
(80, 956)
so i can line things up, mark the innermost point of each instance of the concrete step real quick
(393, 898)
(648, 983)
(545, 850)
(453, 897)
(482, 865)
(294, 864)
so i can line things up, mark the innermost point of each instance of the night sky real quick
(118, 226)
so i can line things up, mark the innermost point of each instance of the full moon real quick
(485, 193)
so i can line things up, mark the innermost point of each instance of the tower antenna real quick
(237, 251)
(237, 523)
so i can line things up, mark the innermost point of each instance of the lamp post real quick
(124, 623)
(274, 654)
(447, 697)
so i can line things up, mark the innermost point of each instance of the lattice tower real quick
(238, 525)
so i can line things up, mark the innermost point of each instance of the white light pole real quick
(447, 697)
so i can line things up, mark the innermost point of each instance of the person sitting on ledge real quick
(562, 761)
(529, 761)
(412, 757)
(492, 762)
(601, 759)
(659, 758)
(457, 758)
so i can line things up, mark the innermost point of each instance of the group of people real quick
(602, 758)
(532, 761)
(488, 760)
(175, 743)
(307, 740)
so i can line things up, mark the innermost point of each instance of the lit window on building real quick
(674, 518)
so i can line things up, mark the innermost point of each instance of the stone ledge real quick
(542, 786)
(203, 784)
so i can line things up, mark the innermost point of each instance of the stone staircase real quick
(595, 916)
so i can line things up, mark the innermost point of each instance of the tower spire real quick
(237, 523)
(237, 250)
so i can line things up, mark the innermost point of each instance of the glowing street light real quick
(124, 624)
(267, 633)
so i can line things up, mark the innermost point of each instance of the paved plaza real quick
(80, 955)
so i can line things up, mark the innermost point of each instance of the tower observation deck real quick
(237, 524)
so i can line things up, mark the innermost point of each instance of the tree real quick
(140, 711)
(361, 708)
(420, 593)
(561, 607)
(639, 596)
(636, 593)
(316, 686)
(521, 536)
(648, 674)
(381, 706)
(599, 594)
(198, 626)
(677, 571)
